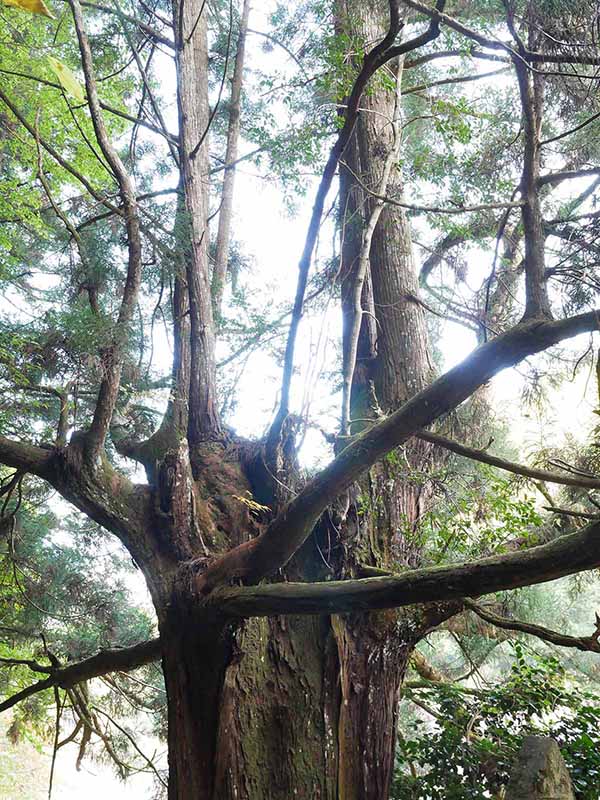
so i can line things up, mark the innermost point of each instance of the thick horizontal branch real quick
(115, 660)
(585, 643)
(565, 555)
(571, 174)
(510, 466)
(26, 457)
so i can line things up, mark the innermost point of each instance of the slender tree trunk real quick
(393, 364)
(192, 96)
(231, 154)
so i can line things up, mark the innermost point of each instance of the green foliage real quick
(468, 752)
(488, 513)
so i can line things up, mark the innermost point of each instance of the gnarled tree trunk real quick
(303, 706)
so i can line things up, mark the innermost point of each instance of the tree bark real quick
(194, 121)
(392, 365)
(231, 153)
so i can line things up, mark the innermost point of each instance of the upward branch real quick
(290, 529)
(112, 355)
(231, 155)
(376, 58)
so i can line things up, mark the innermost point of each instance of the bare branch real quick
(113, 660)
(568, 132)
(509, 466)
(566, 555)
(26, 457)
(459, 209)
(586, 643)
(553, 178)
(151, 32)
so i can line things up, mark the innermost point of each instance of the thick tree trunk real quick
(194, 663)
(298, 706)
(392, 365)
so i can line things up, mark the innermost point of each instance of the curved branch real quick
(114, 660)
(274, 548)
(496, 44)
(565, 555)
(509, 466)
(586, 643)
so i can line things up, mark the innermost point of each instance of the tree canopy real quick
(305, 474)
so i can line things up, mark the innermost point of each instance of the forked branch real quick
(106, 661)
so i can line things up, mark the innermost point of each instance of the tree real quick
(287, 605)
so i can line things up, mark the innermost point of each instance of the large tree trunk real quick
(392, 365)
(295, 706)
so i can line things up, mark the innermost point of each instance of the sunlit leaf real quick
(33, 6)
(67, 79)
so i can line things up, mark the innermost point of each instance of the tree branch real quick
(509, 466)
(586, 643)
(496, 44)
(379, 55)
(565, 555)
(114, 660)
(270, 551)
(112, 355)
(557, 177)
(56, 155)
(537, 303)
(26, 457)
(231, 157)
(151, 32)
(460, 209)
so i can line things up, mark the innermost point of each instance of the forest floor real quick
(25, 770)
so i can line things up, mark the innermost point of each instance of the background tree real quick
(288, 604)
